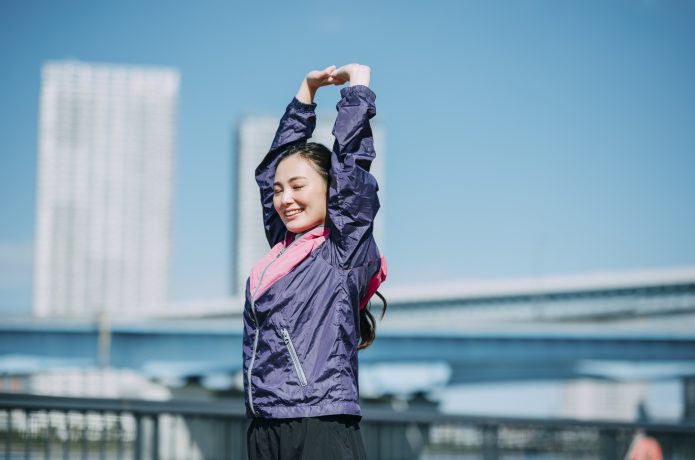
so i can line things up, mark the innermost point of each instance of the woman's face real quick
(300, 194)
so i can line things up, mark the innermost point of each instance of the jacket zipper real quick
(255, 318)
(293, 355)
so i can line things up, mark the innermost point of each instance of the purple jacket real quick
(301, 317)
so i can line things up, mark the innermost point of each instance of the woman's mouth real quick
(292, 212)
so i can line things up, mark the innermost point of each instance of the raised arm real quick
(352, 200)
(296, 125)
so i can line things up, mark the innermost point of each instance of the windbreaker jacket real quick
(301, 316)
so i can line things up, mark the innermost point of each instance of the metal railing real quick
(83, 428)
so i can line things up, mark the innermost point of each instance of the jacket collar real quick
(314, 232)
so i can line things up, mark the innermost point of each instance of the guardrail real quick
(34, 426)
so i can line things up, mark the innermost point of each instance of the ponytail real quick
(368, 323)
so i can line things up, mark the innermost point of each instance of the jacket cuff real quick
(302, 107)
(359, 90)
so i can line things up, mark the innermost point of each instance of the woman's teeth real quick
(293, 212)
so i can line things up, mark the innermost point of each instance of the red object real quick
(646, 448)
(374, 283)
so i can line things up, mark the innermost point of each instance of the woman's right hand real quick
(356, 74)
(318, 78)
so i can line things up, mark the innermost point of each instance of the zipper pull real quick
(282, 251)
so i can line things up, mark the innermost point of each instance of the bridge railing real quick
(71, 428)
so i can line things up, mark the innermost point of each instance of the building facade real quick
(255, 135)
(106, 157)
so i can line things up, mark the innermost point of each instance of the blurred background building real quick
(107, 135)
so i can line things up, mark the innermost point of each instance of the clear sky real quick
(523, 138)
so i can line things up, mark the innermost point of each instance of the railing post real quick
(243, 428)
(49, 435)
(226, 439)
(68, 436)
(8, 437)
(119, 435)
(155, 437)
(85, 429)
(138, 436)
(27, 435)
(689, 399)
(608, 445)
(104, 437)
(490, 442)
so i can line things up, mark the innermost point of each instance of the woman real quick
(306, 312)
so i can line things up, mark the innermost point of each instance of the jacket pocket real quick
(293, 354)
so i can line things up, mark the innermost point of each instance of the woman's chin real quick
(299, 227)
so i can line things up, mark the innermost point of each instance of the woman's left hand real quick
(314, 80)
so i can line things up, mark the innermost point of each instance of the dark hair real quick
(317, 154)
(320, 158)
(368, 323)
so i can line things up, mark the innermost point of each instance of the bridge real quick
(609, 326)
(593, 296)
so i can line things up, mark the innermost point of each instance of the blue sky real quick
(524, 138)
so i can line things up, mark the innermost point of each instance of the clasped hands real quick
(355, 74)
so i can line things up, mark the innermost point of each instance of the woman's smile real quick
(292, 212)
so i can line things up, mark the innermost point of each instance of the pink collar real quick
(283, 257)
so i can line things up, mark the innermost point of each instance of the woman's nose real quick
(287, 196)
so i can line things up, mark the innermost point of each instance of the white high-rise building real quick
(106, 157)
(255, 135)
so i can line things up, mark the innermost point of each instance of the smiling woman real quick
(307, 300)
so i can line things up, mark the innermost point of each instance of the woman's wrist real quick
(360, 75)
(306, 93)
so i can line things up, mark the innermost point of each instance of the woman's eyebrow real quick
(290, 180)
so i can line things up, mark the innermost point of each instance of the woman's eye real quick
(277, 192)
(297, 187)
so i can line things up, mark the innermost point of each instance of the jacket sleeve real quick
(352, 199)
(296, 125)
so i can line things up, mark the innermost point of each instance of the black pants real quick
(333, 437)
